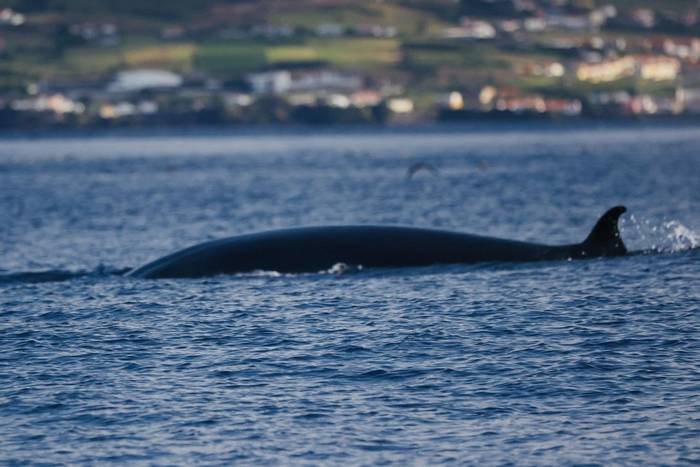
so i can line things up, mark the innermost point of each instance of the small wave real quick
(337, 269)
(257, 273)
(261, 273)
(36, 277)
(342, 268)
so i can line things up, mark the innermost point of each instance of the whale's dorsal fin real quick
(605, 239)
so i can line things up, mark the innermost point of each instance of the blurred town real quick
(81, 63)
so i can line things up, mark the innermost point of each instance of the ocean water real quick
(553, 363)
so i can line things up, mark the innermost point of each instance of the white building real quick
(330, 30)
(56, 103)
(283, 82)
(270, 82)
(325, 80)
(400, 105)
(569, 23)
(139, 80)
(471, 29)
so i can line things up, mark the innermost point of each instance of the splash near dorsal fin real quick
(605, 239)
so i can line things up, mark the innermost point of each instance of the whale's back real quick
(315, 249)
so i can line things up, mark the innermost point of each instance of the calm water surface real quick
(560, 363)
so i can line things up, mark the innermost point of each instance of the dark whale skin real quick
(313, 249)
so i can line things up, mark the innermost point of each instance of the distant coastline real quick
(66, 66)
(443, 126)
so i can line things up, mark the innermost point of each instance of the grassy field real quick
(230, 58)
(101, 60)
(89, 60)
(462, 55)
(290, 54)
(409, 22)
(358, 53)
(236, 57)
(178, 57)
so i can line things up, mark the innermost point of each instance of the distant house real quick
(525, 6)
(658, 68)
(451, 100)
(606, 71)
(121, 109)
(610, 102)
(326, 80)
(521, 104)
(56, 103)
(305, 98)
(471, 29)
(648, 67)
(284, 81)
(339, 101)
(600, 16)
(365, 98)
(106, 34)
(535, 24)
(566, 107)
(400, 105)
(652, 105)
(509, 25)
(549, 70)
(509, 99)
(644, 17)
(375, 30)
(139, 80)
(570, 23)
(686, 48)
(270, 82)
(237, 99)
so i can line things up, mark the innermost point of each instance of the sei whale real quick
(313, 249)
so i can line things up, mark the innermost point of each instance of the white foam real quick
(666, 237)
(337, 269)
(681, 237)
(342, 268)
(261, 273)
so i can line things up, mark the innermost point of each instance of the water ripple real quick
(557, 363)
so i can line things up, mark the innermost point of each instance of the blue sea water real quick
(555, 363)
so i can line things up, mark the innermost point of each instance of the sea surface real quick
(591, 362)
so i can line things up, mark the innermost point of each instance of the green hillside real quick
(65, 40)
